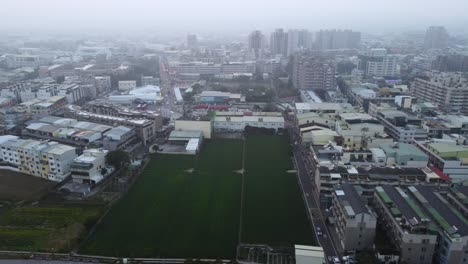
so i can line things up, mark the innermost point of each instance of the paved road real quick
(308, 186)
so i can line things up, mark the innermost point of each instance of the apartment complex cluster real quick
(51, 160)
(387, 158)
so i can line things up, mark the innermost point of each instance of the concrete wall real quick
(193, 125)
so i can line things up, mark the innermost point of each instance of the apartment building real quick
(458, 198)
(24, 60)
(368, 177)
(376, 62)
(313, 73)
(103, 84)
(127, 85)
(407, 227)
(354, 222)
(436, 38)
(452, 242)
(46, 159)
(337, 39)
(402, 126)
(447, 90)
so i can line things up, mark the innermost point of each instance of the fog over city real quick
(231, 15)
(234, 131)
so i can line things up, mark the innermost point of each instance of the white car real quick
(336, 260)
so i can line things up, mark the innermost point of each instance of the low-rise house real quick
(90, 167)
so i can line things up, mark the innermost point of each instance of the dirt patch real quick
(16, 186)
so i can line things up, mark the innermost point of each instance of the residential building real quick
(75, 93)
(407, 227)
(453, 62)
(149, 80)
(337, 39)
(192, 41)
(279, 42)
(90, 167)
(272, 66)
(355, 224)
(313, 73)
(447, 90)
(256, 41)
(145, 128)
(238, 67)
(48, 160)
(127, 85)
(24, 60)
(376, 62)
(401, 126)
(330, 172)
(457, 196)
(103, 84)
(452, 242)
(298, 40)
(436, 38)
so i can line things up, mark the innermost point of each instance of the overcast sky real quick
(232, 15)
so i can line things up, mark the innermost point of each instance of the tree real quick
(269, 107)
(103, 171)
(117, 158)
(345, 67)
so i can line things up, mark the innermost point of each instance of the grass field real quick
(273, 211)
(51, 228)
(170, 212)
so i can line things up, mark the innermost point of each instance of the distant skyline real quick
(200, 16)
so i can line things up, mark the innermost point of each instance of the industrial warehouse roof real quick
(117, 132)
(43, 127)
(66, 122)
(193, 144)
(318, 106)
(58, 149)
(402, 149)
(447, 147)
(91, 126)
(221, 94)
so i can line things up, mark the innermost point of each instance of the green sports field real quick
(273, 210)
(175, 212)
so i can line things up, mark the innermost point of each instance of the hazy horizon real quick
(230, 16)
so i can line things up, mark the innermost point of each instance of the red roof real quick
(440, 173)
